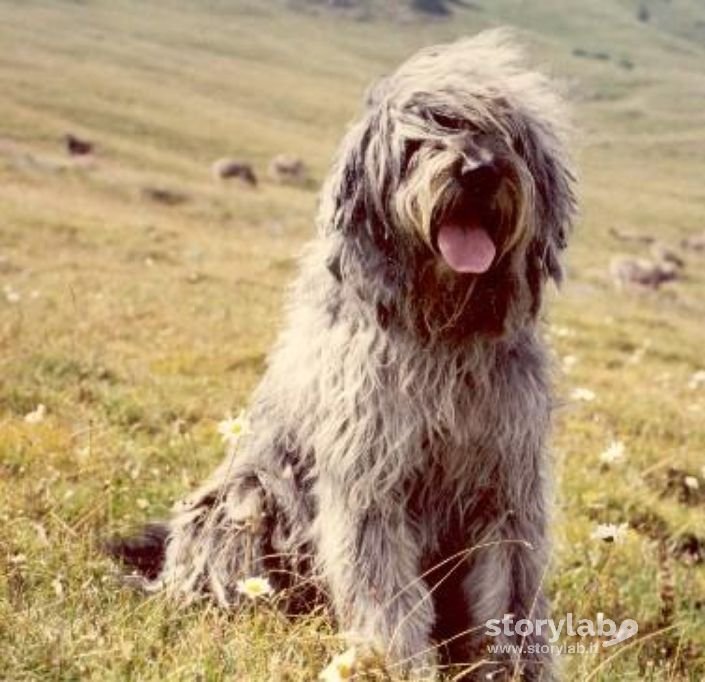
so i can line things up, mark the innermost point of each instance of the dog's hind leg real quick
(252, 517)
(216, 536)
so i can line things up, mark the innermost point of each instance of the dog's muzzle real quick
(464, 236)
(480, 178)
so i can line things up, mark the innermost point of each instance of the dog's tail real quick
(144, 552)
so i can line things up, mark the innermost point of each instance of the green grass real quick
(150, 322)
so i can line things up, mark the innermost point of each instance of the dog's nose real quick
(480, 175)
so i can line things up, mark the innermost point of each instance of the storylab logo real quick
(549, 631)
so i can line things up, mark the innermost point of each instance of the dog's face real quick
(453, 194)
(463, 190)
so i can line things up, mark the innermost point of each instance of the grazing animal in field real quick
(636, 237)
(695, 242)
(163, 195)
(227, 169)
(665, 254)
(75, 146)
(397, 445)
(634, 272)
(288, 169)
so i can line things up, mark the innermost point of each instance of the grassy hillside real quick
(139, 324)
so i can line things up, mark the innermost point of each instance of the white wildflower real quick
(610, 532)
(697, 380)
(583, 395)
(341, 667)
(254, 587)
(57, 586)
(614, 454)
(37, 415)
(231, 429)
(638, 355)
(691, 482)
(11, 296)
(569, 361)
(562, 332)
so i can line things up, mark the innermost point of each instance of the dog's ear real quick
(358, 193)
(554, 197)
(355, 207)
(360, 183)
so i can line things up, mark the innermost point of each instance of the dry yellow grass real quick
(139, 325)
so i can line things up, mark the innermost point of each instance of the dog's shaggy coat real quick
(397, 444)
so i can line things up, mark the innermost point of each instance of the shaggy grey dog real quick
(396, 456)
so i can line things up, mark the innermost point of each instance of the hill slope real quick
(139, 324)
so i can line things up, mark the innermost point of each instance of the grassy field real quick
(139, 325)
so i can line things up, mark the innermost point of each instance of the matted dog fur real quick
(397, 456)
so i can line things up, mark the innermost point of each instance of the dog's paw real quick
(374, 657)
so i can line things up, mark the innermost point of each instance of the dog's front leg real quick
(370, 561)
(505, 582)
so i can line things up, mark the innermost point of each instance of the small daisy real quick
(636, 357)
(57, 586)
(584, 395)
(697, 380)
(11, 295)
(569, 361)
(614, 454)
(691, 482)
(37, 415)
(232, 429)
(610, 532)
(254, 587)
(341, 667)
(562, 332)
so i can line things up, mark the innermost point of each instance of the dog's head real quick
(452, 197)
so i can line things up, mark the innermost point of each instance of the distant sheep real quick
(625, 236)
(288, 169)
(75, 146)
(663, 253)
(162, 195)
(629, 271)
(225, 169)
(695, 242)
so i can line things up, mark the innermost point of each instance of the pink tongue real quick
(466, 248)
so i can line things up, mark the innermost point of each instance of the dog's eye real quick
(412, 147)
(445, 121)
